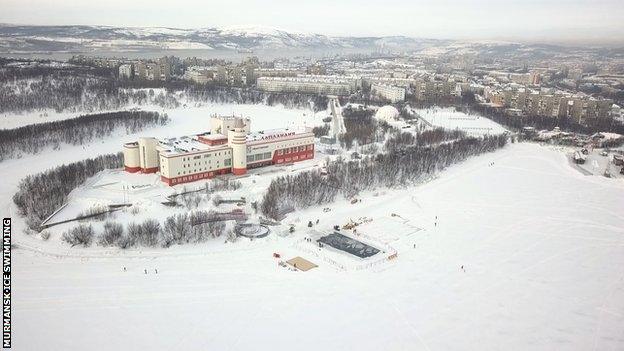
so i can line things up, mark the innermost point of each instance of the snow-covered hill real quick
(16, 39)
(526, 255)
(83, 38)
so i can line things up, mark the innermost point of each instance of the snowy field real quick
(449, 118)
(10, 120)
(189, 110)
(541, 245)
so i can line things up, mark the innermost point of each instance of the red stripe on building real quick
(239, 171)
(149, 170)
(194, 177)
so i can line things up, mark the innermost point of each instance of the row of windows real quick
(227, 152)
(291, 150)
(295, 158)
(185, 165)
(195, 177)
(296, 143)
(226, 163)
(258, 157)
(206, 165)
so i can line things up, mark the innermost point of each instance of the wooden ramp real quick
(301, 263)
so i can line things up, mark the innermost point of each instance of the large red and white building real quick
(229, 147)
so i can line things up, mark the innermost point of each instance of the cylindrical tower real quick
(148, 155)
(238, 143)
(131, 157)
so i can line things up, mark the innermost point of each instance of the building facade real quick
(277, 72)
(229, 147)
(309, 84)
(579, 108)
(199, 75)
(388, 92)
(432, 90)
(126, 71)
(160, 70)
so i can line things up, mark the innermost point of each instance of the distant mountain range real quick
(24, 39)
(16, 39)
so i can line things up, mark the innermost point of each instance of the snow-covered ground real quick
(540, 244)
(189, 119)
(10, 120)
(541, 247)
(449, 118)
(13, 119)
(108, 187)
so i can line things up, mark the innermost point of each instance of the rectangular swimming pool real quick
(349, 245)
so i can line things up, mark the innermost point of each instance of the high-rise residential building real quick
(316, 69)
(388, 92)
(160, 70)
(309, 84)
(126, 71)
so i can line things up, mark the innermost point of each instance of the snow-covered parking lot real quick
(541, 245)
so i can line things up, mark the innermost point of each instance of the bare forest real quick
(406, 162)
(39, 195)
(33, 138)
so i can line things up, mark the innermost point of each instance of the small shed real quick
(301, 263)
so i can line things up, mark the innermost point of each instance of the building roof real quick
(215, 136)
(191, 143)
(301, 263)
(387, 113)
(186, 144)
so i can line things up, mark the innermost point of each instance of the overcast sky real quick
(468, 19)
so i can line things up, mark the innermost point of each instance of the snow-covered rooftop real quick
(185, 144)
(277, 133)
